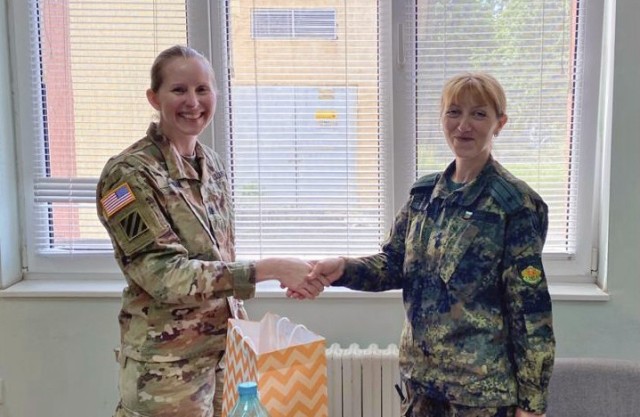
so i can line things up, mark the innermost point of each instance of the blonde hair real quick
(480, 86)
(176, 51)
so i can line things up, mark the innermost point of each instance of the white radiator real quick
(361, 382)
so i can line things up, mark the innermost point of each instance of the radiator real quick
(361, 381)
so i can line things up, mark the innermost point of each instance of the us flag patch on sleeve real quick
(116, 199)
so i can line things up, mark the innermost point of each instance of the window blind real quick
(92, 62)
(305, 127)
(534, 50)
(307, 115)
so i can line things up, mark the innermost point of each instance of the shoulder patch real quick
(133, 225)
(531, 275)
(117, 199)
(425, 182)
(506, 194)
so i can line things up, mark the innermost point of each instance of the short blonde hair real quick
(482, 87)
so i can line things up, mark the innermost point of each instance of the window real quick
(537, 57)
(304, 128)
(328, 112)
(540, 51)
(89, 66)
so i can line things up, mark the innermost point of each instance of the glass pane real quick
(530, 48)
(304, 128)
(94, 60)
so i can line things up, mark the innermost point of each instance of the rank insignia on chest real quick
(117, 199)
(217, 175)
(467, 215)
(531, 275)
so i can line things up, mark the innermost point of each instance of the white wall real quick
(56, 354)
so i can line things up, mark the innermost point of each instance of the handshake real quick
(301, 279)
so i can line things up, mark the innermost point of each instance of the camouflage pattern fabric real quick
(171, 225)
(419, 405)
(169, 389)
(478, 329)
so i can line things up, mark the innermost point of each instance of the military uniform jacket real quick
(478, 329)
(173, 236)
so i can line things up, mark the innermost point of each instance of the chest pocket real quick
(219, 211)
(189, 217)
(467, 243)
(419, 228)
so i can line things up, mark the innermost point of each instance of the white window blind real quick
(91, 60)
(305, 129)
(322, 134)
(534, 49)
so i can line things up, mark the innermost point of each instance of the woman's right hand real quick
(327, 271)
(323, 274)
(292, 274)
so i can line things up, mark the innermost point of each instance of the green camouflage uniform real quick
(478, 329)
(171, 225)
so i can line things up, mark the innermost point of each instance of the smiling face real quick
(473, 112)
(185, 99)
(469, 127)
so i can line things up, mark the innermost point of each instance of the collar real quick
(178, 168)
(472, 190)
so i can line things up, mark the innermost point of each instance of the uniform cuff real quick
(244, 279)
(532, 400)
(344, 279)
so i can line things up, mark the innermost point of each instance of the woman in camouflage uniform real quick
(466, 251)
(166, 204)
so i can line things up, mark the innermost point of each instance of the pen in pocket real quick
(400, 392)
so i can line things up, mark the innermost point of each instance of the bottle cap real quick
(248, 388)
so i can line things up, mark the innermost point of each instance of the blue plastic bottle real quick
(248, 404)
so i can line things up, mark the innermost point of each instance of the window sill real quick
(112, 288)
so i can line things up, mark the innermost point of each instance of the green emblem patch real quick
(531, 275)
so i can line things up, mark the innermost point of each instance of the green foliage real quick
(526, 45)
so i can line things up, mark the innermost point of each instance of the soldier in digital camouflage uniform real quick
(170, 219)
(466, 251)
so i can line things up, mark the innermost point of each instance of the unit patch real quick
(133, 225)
(531, 275)
(117, 199)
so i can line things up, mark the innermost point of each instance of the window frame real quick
(400, 152)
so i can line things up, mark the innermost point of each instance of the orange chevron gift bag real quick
(287, 361)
